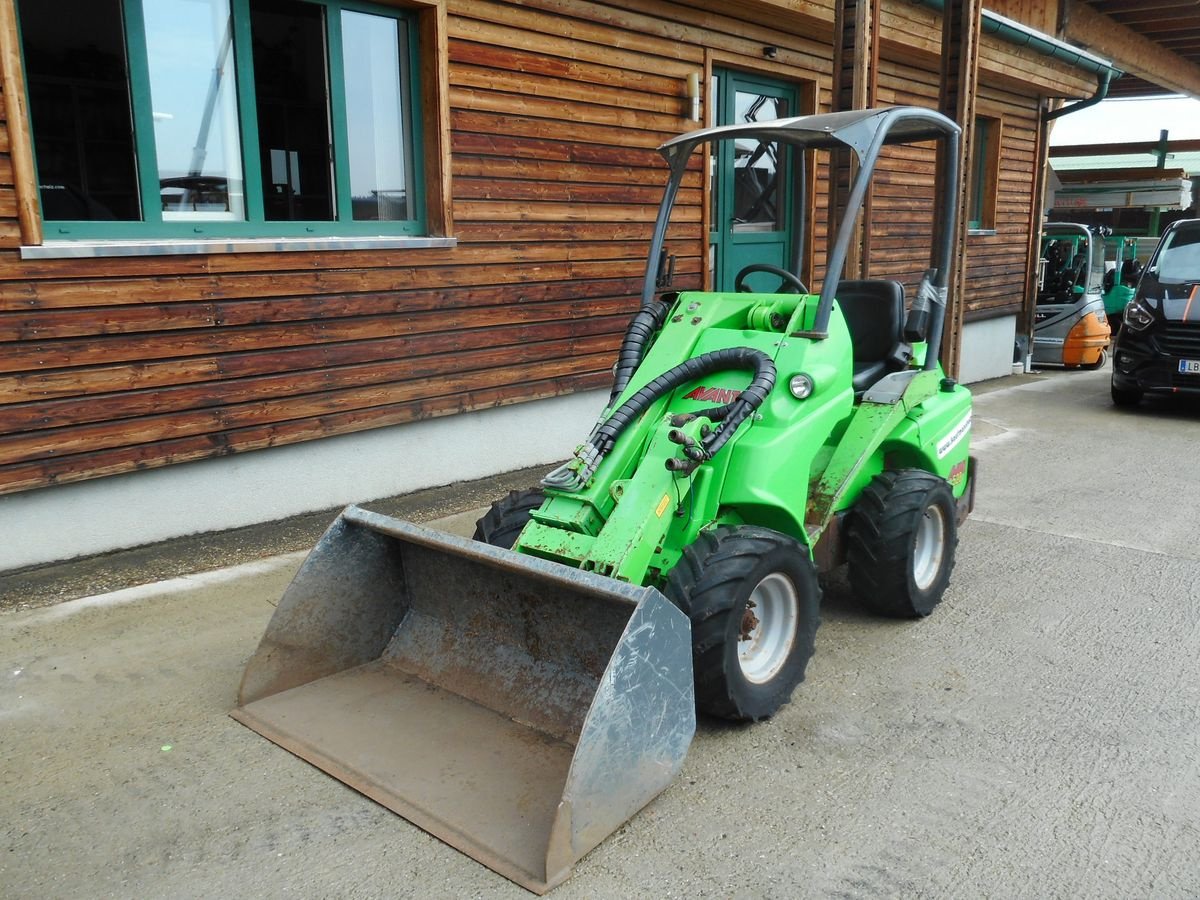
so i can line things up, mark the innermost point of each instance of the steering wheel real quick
(786, 278)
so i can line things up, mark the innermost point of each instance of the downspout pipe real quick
(1102, 81)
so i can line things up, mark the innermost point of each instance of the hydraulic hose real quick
(638, 335)
(575, 475)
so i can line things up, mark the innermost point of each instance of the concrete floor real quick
(1038, 736)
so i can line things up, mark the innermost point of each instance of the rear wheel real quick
(900, 543)
(504, 521)
(753, 600)
(1124, 398)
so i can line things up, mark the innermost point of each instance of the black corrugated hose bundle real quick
(605, 434)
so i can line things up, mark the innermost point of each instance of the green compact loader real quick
(523, 694)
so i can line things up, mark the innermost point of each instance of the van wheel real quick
(1125, 399)
(753, 600)
(900, 543)
(501, 525)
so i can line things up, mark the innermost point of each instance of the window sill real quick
(981, 232)
(93, 249)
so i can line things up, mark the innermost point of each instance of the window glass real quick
(177, 118)
(292, 96)
(190, 52)
(756, 201)
(78, 82)
(1179, 260)
(373, 49)
(979, 170)
(1066, 270)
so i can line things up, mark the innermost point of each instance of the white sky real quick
(1121, 121)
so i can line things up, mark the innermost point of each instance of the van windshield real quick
(1179, 257)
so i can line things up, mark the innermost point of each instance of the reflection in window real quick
(756, 201)
(984, 167)
(1179, 259)
(224, 117)
(292, 96)
(193, 92)
(78, 81)
(375, 65)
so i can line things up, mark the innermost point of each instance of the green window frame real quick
(153, 226)
(985, 174)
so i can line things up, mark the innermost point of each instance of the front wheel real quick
(507, 517)
(1124, 398)
(900, 543)
(753, 600)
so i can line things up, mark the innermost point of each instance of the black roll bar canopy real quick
(866, 132)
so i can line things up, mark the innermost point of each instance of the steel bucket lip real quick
(544, 569)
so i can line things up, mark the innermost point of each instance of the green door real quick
(752, 216)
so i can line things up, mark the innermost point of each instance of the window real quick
(984, 174)
(1178, 259)
(187, 118)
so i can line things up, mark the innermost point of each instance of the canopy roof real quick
(856, 129)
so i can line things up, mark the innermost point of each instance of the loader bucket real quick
(518, 709)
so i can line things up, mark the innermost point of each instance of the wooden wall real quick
(1009, 86)
(1039, 14)
(904, 193)
(113, 365)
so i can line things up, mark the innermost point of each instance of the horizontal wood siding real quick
(112, 365)
(996, 262)
(903, 198)
(555, 108)
(10, 229)
(1039, 14)
(904, 195)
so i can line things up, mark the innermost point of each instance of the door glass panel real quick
(78, 82)
(757, 203)
(373, 50)
(190, 53)
(292, 94)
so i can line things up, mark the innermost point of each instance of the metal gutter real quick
(1024, 36)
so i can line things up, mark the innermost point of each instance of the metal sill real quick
(92, 249)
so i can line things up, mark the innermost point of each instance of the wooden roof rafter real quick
(1157, 42)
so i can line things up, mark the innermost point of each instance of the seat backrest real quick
(874, 312)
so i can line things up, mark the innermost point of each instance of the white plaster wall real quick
(987, 349)
(65, 521)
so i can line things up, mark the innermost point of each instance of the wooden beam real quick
(1065, 150)
(1129, 50)
(17, 113)
(855, 86)
(1100, 176)
(435, 86)
(961, 30)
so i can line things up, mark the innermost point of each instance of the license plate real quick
(1189, 367)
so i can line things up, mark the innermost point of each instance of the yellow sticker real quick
(662, 505)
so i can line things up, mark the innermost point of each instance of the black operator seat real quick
(874, 312)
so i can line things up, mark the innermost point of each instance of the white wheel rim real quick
(929, 547)
(771, 614)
